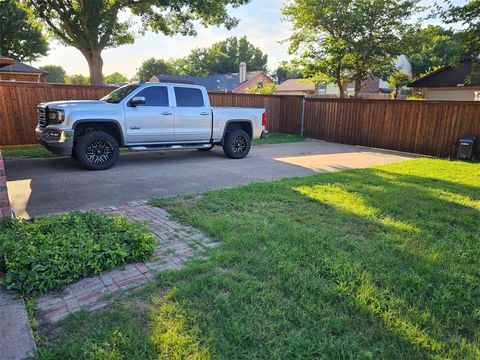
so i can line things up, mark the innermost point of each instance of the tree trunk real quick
(95, 65)
(341, 89)
(358, 88)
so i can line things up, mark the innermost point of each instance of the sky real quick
(260, 20)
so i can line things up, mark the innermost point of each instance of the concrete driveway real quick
(44, 186)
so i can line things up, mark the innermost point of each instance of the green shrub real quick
(49, 253)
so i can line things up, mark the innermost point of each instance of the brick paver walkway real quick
(176, 243)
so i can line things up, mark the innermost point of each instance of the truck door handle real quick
(166, 113)
(204, 113)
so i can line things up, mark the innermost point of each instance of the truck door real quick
(153, 121)
(193, 116)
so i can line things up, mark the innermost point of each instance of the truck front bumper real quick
(57, 141)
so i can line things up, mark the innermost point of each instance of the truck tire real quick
(97, 150)
(236, 144)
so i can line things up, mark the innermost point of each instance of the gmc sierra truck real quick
(148, 116)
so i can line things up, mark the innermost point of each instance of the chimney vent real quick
(242, 73)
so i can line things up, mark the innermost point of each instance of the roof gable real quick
(216, 82)
(18, 67)
(448, 76)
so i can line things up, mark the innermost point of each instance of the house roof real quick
(5, 61)
(295, 85)
(447, 76)
(7, 66)
(217, 82)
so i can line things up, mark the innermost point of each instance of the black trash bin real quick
(467, 147)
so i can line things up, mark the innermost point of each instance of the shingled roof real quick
(217, 82)
(13, 66)
(447, 76)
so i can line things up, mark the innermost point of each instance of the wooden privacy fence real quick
(284, 113)
(18, 106)
(19, 100)
(425, 127)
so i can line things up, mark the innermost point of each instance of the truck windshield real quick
(118, 95)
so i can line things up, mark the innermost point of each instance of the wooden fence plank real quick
(425, 127)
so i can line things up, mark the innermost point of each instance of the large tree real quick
(93, 25)
(284, 72)
(56, 74)
(115, 78)
(431, 47)
(224, 57)
(21, 37)
(151, 67)
(77, 79)
(344, 41)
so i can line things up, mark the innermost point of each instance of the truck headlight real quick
(56, 116)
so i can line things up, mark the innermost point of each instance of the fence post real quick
(302, 121)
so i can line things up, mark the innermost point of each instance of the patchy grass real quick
(25, 152)
(51, 252)
(278, 138)
(379, 263)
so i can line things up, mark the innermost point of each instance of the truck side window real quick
(188, 97)
(155, 96)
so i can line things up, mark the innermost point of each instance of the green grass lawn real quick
(278, 138)
(380, 263)
(25, 151)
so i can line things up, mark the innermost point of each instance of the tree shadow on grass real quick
(357, 264)
(423, 281)
(394, 271)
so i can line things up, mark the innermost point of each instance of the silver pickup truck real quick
(148, 116)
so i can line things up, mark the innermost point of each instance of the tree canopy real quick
(115, 78)
(225, 57)
(77, 79)
(467, 15)
(151, 67)
(21, 37)
(262, 89)
(344, 41)
(56, 74)
(397, 81)
(284, 72)
(94, 25)
(431, 47)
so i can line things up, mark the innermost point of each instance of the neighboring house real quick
(12, 70)
(447, 83)
(374, 88)
(303, 87)
(235, 83)
(324, 90)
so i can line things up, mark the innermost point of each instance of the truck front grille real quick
(42, 117)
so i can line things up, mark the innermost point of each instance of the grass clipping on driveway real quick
(365, 264)
(49, 253)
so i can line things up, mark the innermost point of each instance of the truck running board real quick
(170, 147)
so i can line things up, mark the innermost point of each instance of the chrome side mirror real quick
(137, 100)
